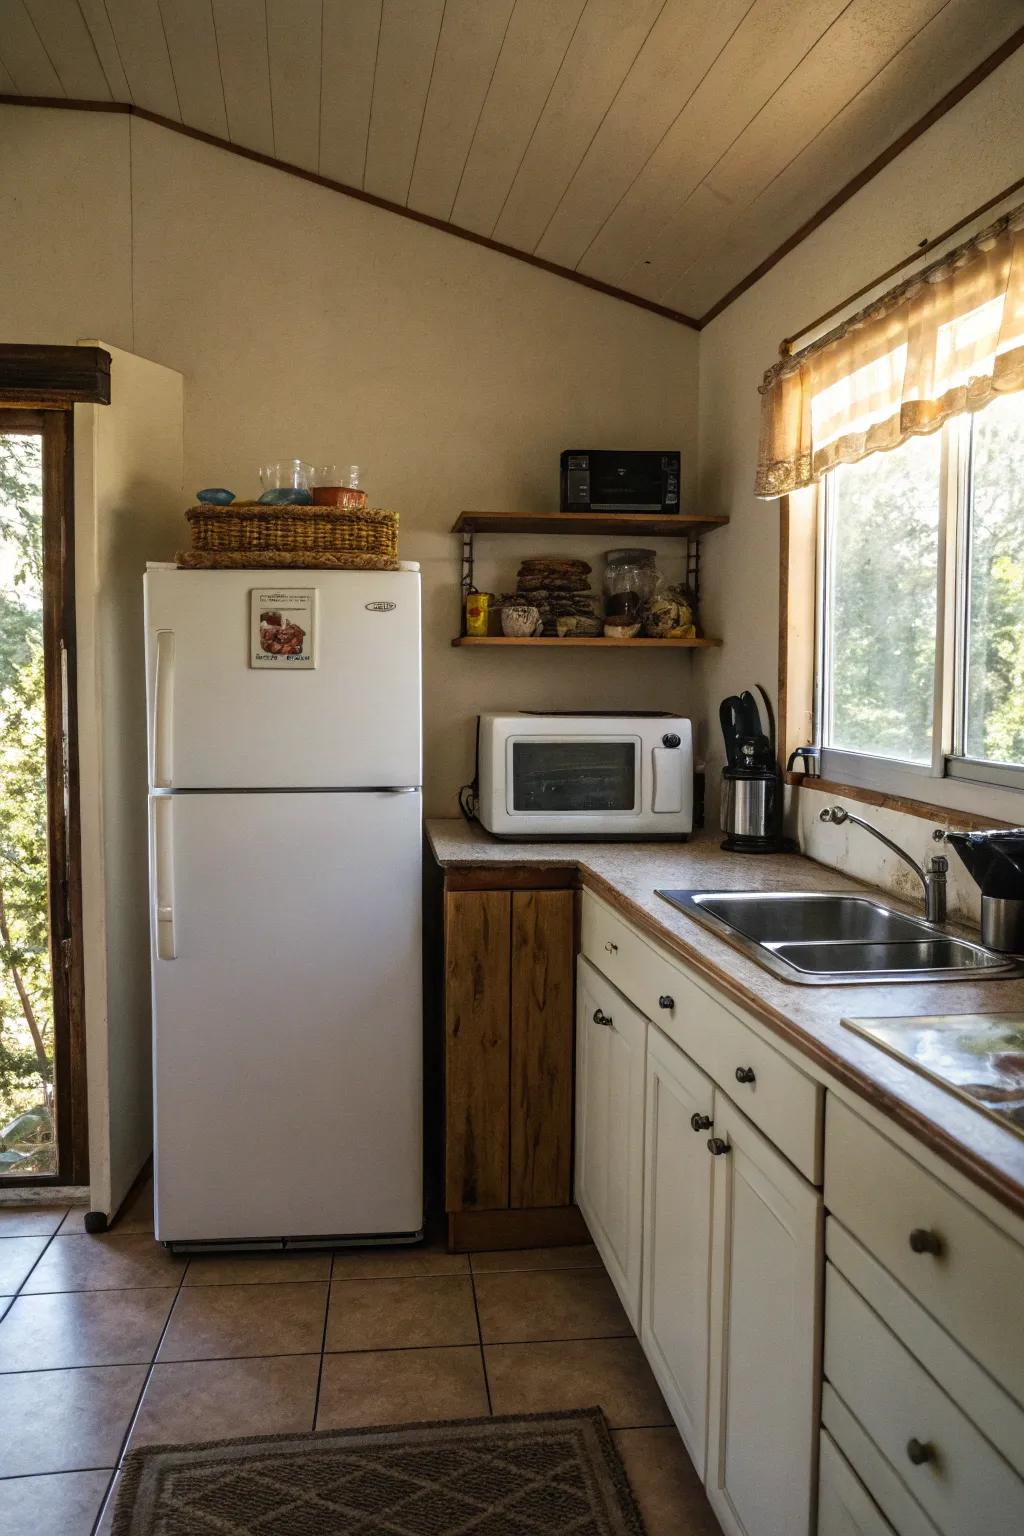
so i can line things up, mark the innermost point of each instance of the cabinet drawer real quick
(950, 1468)
(845, 1508)
(958, 1374)
(781, 1101)
(870, 1467)
(972, 1285)
(647, 978)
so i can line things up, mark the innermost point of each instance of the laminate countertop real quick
(627, 876)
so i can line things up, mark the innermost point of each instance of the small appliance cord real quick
(469, 794)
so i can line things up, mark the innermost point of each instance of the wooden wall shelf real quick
(629, 525)
(587, 642)
(682, 525)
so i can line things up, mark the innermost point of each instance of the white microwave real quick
(579, 775)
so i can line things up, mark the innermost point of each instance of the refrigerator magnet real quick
(282, 628)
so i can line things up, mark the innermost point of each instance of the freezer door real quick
(216, 721)
(287, 1014)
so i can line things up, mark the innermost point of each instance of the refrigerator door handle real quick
(163, 710)
(163, 859)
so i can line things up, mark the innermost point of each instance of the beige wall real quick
(971, 154)
(307, 323)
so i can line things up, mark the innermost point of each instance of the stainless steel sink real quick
(825, 940)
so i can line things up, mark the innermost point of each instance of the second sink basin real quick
(828, 940)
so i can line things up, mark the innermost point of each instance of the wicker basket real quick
(249, 534)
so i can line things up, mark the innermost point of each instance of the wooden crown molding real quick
(952, 97)
(53, 378)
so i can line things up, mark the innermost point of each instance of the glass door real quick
(575, 775)
(40, 1009)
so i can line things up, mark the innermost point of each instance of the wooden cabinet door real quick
(677, 1236)
(765, 1335)
(476, 967)
(540, 1089)
(611, 1042)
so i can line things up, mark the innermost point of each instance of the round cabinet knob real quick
(745, 1074)
(670, 739)
(920, 1452)
(701, 1122)
(602, 1018)
(665, 1001)
(612, 949)
(924, 1241)
(717, 1147)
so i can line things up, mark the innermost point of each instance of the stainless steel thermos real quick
(751, 781)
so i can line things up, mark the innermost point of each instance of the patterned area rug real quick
(554, 1474)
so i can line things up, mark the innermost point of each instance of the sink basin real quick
(831, 940)
(778, 917)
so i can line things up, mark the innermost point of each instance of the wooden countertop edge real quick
(921, 1127)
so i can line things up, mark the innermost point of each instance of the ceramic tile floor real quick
(109, 1342)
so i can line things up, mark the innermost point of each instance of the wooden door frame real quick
(38, 389)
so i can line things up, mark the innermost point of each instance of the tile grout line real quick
(31, 1271)
(480, 1338)
(312, 1354)
(133, 1417)
(323, 1347)
(21, 1477)
(14, 1477)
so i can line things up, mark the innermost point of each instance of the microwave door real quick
(568, 776)
(627, 483)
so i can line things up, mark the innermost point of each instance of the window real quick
(920, 661)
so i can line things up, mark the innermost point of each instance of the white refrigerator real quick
(285, 894)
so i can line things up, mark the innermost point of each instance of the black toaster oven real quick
(610, 480)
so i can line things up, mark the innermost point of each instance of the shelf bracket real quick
(466, 586)
(693, 570)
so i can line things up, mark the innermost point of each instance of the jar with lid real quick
(630, 580)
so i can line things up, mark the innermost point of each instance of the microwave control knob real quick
(670, 740)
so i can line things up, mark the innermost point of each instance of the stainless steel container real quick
(1002, 924)
(995, 860)
(751, 815)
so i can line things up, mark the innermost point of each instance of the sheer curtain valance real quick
(946, 340)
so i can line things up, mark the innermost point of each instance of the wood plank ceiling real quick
(665, 147)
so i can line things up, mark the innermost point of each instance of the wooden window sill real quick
(964, 820)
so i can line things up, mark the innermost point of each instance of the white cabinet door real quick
(765, 1332)
(677, 1236)
(611, 1040)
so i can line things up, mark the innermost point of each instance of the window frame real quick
(951, 780)
(54, 426)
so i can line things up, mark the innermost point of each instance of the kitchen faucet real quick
(932, 877)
